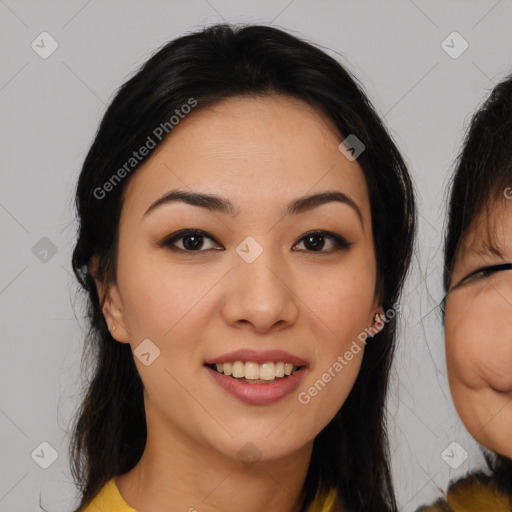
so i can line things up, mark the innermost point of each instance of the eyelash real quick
(486, 271)
(339, 241)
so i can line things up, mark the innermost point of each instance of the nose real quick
(261, 296)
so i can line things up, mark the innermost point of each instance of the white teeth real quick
(267, 371)
(252, 371)
(255, 371)
(228, 369)
(238, 369)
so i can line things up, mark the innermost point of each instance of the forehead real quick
(253, 150)
(490, 234)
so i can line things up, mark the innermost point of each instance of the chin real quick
(503, 448)
(252, 446)
(496, 440)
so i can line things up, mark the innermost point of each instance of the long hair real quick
(482, 175)
(208, 66)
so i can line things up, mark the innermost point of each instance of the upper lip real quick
(258, 357)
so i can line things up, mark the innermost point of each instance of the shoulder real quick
(475, 492)
(326, 500)
(109, 499)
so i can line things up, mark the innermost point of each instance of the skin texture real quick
(260, 153)
(478, 335)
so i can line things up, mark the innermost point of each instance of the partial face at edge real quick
(478, 334)
(261, 154)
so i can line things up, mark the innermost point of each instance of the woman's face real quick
(478, 334)
(251, 280)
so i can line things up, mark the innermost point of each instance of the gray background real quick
(50, 111)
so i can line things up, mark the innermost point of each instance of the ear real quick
(111, 305)
(377, 319)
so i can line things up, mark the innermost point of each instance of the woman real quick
(478, 304)
(246, 224)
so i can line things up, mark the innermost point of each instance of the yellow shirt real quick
(109, 499)
(474, 493)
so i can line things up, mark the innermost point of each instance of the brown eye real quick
(314, 241)
(191, 240)
(484, 272)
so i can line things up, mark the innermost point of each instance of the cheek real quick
(188, 311)
(342, 308)
(345, 306)
(341, 294)
(479, 347)
(156, 294)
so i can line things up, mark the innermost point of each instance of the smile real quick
(255, 390)
(256, 373)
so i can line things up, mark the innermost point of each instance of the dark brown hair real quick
(219, 62)
(482, 175)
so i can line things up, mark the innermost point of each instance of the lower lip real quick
(259, 394)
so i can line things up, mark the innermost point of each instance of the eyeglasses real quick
(477, 274)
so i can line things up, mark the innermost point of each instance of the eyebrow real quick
(219, 204)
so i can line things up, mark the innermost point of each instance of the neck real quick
(194, 477)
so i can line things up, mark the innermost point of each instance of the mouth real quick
(250, 372)
(257, 384)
